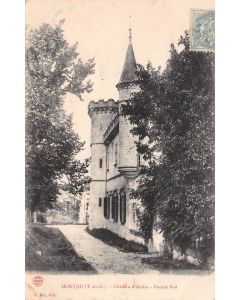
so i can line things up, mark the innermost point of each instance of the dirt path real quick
(104, 258)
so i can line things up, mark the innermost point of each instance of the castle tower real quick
(128, 160)
(101, 114)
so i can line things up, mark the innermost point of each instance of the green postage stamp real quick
(202, 31)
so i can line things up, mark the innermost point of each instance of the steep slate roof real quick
(130, 67)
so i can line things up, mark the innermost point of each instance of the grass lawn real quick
(48, 250)
(116, 241)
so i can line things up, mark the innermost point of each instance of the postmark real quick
(202, 32)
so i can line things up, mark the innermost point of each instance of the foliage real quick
(170, 265)
(52, 70)
(78, 181)
(173, 116)
(65, 210)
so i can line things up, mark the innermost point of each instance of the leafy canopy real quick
(53, 69)
(173, 117)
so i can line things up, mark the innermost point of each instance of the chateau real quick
(115, 161)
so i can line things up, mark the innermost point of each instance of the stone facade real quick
(114, 160)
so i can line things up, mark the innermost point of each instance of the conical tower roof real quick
(130, 67)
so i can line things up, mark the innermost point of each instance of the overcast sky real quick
(101, 29)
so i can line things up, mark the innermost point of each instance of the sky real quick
(101, 29)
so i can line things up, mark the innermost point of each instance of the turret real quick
(128, 80)
(128, 84)
(101, 114)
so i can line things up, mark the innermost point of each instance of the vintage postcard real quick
(120, 149)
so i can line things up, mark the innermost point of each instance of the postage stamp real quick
(202, 33)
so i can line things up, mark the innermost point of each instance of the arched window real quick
(105, 207)
(115, 207)
(123, 208)
(108, 207)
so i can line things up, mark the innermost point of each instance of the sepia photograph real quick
(120, 149)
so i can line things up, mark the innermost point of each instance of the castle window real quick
(100, 163)
(108, 156)
(113, 207)
(138, 160)
(105, 207)
(108, 207)
(100, 202)
(116, 154)
(116, 208)
(123, 208)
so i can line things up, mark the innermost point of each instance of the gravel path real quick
(104, 258)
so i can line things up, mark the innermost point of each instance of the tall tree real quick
(173, 116)
(52, 70)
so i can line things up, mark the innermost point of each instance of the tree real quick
(173, 117)
(52, 70)
(78, 181)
